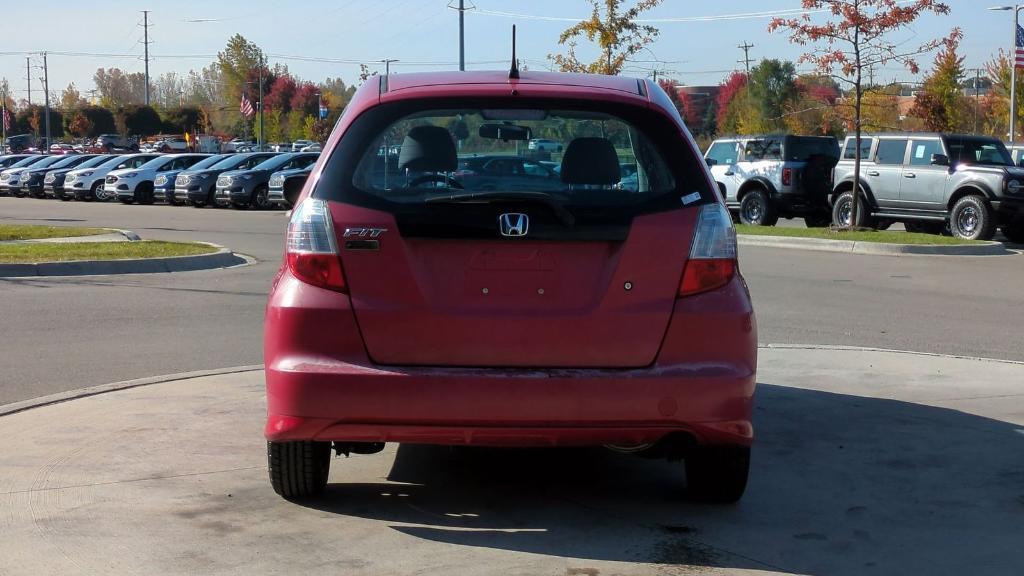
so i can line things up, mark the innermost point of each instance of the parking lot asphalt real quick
(67, 333)
(866, 462)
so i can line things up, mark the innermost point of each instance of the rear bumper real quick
(321, 386)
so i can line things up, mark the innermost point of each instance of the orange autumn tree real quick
(852, 37)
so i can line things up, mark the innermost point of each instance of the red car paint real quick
(403, 345)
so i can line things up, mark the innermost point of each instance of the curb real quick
(8, 409)
(841, 348)
(874, 248)
(222, 258)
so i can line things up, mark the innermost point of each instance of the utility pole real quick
(260, 104)
(462, 36)
(145, 44)
(746, 46)
(46, 99)
(387, 65)
(977, 79)
(28, 77)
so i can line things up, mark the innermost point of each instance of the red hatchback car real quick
(561, 308)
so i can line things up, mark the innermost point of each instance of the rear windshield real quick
(986, 151)
(604, 160)
(802, 149)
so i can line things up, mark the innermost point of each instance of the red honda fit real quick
(445, 282)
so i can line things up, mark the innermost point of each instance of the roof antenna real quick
(513, 72)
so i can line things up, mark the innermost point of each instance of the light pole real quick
(1013, 68)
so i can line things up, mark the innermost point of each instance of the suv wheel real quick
(717, 473)
(757, 210)
(298, 469)
(972, 219)
(1014, 233)
(259, 198)
(842, 211)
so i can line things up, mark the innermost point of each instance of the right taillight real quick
(311, 250)
(712, 262)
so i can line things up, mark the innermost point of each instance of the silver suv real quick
(930, 181)
(764, 178)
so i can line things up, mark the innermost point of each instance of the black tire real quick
(1015, 233)
(756, 209)
(842, 208)
(260, 200)
(127, 200)
(818, 220)
(240, 205)
(717, 473)
(883, 224)
(298, 469)
(144, 193)
(66, 198)
(972, 219)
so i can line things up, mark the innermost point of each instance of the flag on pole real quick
(246, 107)
(7, 119)
(1018, 61)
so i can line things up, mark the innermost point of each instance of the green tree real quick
(771, 88)
(237, 63)
(80, 125)
(138, 121)
(100, 121)
(941, 103)
(183, 119)
(71, 99)
(616, 31)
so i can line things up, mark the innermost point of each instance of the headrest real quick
(428, 149)
(590, 161)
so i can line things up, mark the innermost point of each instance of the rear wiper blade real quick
(563, 214)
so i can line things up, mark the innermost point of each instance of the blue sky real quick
(422, 34)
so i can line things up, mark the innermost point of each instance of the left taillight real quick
(712, 262)
(787, 176)
(311, 248)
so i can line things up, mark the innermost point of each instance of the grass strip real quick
(34, 231)
(68, 251)
(879, 236)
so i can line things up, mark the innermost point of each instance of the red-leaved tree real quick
(852, 38)
(732, 86)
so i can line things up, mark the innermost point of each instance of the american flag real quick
(7, 119)
(1019, 48)
(246, 107)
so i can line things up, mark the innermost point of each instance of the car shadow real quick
(840, 484)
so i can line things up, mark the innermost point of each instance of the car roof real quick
(547, 79)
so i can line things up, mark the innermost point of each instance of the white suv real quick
(87, 183)
(136, 184)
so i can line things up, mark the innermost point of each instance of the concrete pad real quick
(866, 462)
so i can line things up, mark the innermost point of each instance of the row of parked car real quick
(240, 180)
(963, 185)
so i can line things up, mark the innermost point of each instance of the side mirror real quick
(1021, 162)
(711, 161)
(940, 160)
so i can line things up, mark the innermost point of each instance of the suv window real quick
(763, 149)
(921, 151)
(801, 149)
(974, 150)
(865, 148)
(723, 153)
(890, 151)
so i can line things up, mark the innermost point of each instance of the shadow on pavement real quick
(840, 484)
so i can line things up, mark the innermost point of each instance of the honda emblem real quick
(513, 224)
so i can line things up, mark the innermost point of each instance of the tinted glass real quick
(93, 162)
(921, 151)
(274, 162)
(499, 140)
(865, 148)
(48, 161)
(157, 163)
(67, 162)
(890, 151)
(723, 153)
(801, 149)
(967, 150)
(27, 161)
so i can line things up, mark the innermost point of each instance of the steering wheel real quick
(451, 182)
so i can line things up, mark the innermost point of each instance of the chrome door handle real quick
(872, 173)
(909, 175)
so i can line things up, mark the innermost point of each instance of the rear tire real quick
(298, 469)
(717, 473)
(972, 219)
(842, 211)
(756, 209)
